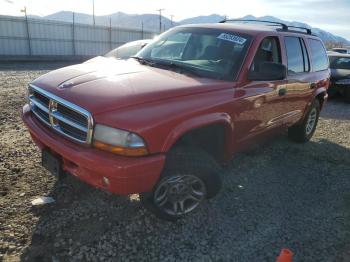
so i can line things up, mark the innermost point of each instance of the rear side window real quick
(318, 55)
(306, 56)
(297, 61)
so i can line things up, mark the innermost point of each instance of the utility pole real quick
(160, 19)
(24, 10)
(93, 10)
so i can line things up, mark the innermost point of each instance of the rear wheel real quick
(302, 132)
(190, 176)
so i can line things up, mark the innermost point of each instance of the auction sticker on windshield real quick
(232, 38)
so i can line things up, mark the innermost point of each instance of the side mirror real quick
(266, 71)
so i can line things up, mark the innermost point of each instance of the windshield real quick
(340, 63)
(208, 52)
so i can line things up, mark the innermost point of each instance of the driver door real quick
(262, 107)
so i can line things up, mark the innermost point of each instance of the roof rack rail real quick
(283, 26)
(308, 30)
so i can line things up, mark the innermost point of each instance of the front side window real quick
(209, 53)
(295, 55)
(318, 55)
(268, 51)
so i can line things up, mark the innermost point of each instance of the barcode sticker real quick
(232, 38)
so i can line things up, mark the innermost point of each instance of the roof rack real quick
(283, 26)
(308, 30)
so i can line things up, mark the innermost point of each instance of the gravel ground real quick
(277, 195)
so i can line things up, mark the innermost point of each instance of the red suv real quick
(160, 122)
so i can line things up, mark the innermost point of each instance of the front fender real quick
(197, 122)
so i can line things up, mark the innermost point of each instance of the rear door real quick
(299, 78)
(319, 66)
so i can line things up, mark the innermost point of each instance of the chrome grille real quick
(64, 117)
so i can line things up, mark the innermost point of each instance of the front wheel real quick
(179, 195)
(302, 132)
(190, 176)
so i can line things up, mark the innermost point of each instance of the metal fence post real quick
(118, 36)
(73, 35)
(110, 33)
(142, 30)
(28, 36)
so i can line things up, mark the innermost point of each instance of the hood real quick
(107, 84)
(337, 74)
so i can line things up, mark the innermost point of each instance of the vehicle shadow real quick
(336, 108)
(278, 195)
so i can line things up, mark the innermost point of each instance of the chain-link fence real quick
(36, 37)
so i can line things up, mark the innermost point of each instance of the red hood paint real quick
(108, 84)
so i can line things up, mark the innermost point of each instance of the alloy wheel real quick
(311, 121)
(179, 195)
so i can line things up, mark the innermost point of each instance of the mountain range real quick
(151, 22)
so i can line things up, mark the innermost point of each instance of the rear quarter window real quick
(318, 55)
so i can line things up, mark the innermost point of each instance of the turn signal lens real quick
(137, 151)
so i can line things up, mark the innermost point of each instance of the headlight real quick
(118, 141)
(343, 82)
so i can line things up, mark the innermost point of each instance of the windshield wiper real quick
(182, 68)
(179, 68)
(143, 61)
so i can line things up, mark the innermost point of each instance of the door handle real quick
(282, 91)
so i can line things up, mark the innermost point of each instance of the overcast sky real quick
(330, 15)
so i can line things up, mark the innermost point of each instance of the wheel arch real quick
(321, 95)
(194, 125)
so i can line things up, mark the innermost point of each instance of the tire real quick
(190, 176)
(347, 95)
(302, 132)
